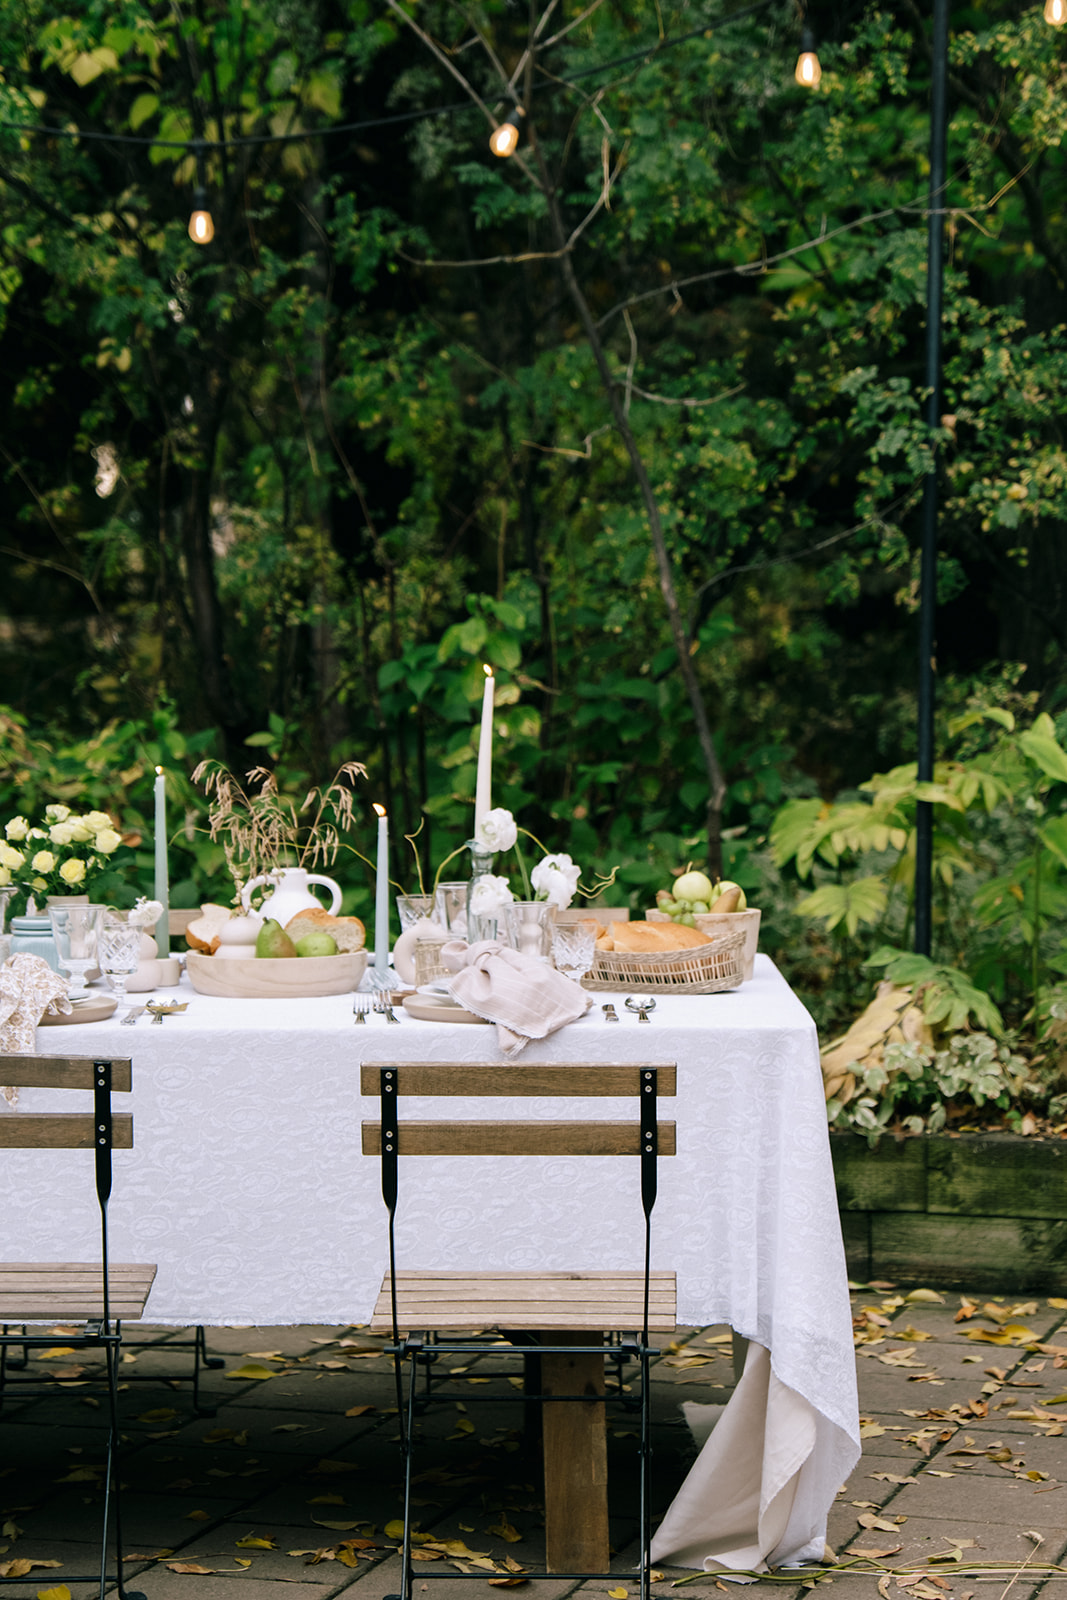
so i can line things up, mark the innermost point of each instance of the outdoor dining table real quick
(247, 1187)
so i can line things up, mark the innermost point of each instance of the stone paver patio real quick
(289, 1489)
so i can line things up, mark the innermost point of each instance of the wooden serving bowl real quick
(264, 978)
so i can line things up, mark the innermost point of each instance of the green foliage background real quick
(359, 444)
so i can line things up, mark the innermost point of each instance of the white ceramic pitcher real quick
(291, 893)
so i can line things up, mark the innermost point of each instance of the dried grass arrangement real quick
(261, 829)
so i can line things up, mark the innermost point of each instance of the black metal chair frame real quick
(413, 1351)
(99, 1334)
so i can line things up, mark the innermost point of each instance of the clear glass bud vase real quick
(481, 864)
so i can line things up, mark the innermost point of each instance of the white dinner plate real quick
(438, 992)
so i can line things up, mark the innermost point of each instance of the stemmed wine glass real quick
(119, 946)
(75, 930)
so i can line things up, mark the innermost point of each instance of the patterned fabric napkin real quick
(524, 997)
(28, 988)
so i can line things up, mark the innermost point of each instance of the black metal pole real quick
(935, 274)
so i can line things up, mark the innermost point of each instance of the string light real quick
(1056, 12)
(809, 72)
(505, 137)
(201, 223)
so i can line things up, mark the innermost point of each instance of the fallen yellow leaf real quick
(252, 1541)
(252, 1369)
(618, 1594)
(504, 1530)
(60, 1592)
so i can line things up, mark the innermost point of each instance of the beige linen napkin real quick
(28, 987)
(524, 997)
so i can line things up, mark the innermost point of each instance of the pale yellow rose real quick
(43, 861)
(5, 877)
(79, 833)
(38, 884)
(36, 833)
(96, 820)
(57, 813)
(17, 828)
(61, 833)
(10, 857)
(107, 840)
(72, 871)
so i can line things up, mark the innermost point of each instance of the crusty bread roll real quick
(203, 932)
(348, 933)
(649, 937)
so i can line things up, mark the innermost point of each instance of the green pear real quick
(317, 944)
(272, 941)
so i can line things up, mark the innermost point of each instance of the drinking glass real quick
(528, 927)
(413, 908)
(574, 947)
(76, 930)
(119, 955)
(450, 909)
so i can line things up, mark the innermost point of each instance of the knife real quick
(131, 1017)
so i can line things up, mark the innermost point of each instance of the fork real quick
(383, 1003)
(360, 1007)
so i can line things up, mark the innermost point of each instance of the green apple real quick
(693, 886)
(318, 943)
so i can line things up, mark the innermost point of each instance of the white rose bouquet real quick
(65, 856)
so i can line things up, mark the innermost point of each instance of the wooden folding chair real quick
(99, 1295)
(577, 1318)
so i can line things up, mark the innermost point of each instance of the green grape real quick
(699, 906)
(688, 918)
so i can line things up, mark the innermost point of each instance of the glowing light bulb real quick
(201, 225)
(1056, 12)
(503, 140)
(809, 73)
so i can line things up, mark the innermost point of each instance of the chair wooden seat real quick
(465, 1302)
(43, 1291)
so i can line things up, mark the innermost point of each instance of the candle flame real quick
(487, 669)
(159, 772)
(379, 809)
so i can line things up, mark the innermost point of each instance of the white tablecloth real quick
(247, 1187)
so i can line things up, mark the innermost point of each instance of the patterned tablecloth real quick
(247, 1187)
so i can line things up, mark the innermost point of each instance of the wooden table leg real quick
(576, 1459)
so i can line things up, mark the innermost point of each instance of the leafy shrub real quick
(917, 1087)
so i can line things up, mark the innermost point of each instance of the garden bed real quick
(985, 1211)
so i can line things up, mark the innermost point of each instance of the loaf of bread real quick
(649, 938)
(348, 933)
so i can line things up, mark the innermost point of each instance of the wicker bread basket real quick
(703, 969)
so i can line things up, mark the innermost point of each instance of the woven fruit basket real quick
(703, 969)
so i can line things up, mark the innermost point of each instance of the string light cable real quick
(395, 120)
